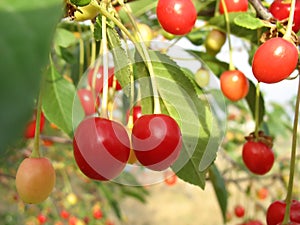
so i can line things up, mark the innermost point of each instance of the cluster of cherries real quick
(102, 147)
(273, 62)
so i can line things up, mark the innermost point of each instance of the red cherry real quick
(176, 16)
(101, 148)
(276, 211)
(254, 222)
(156, 141)
(234, 6)
(170, 178)
(42, 218)
(136, 113)
(88, 102)
(281, 9)
(98, 83)
(274, 60)
(239, 211)
(97, 214)
(64, 214)
(262, 193)
(258, 157)
(234, 85)
(30, 128)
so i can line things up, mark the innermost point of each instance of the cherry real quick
(281, 9)
(234, 6)
(30, 128)
(136, 113)
(234, 84)
(214, 41)
(258, 157)
(274, 60)
(97, 214)
(88, 101)
(202, 77)
(239, 211)
(35, 180)
(262, 193)
(156, 141)
(254, 222)
(170, 178)
(176, 16)
(87, 12)
(42, 218)
(64, 214)
(276, 211)
(98, 83)
(101, 148)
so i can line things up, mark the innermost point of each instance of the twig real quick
(261, 11)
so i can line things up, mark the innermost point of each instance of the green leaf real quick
(219, 21)
(250, 98)
(248, 21)
(194, 115)
(26, 33)
(58, 96)
(121, 59)
(107, 192)
(220, 189)
(63, 39)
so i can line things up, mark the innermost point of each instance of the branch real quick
(261, 11)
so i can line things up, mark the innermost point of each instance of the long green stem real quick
(105, 70)
(147, 61)
(143, 52)
(288, 199)
(36, 147)
(231, 65)
(289, 28)
(256, 116)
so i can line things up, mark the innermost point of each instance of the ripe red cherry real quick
(234, 85)
(274, 60)
(97, 214)
(281, 9)
(156, 141)
(64, 214)
(239, 211)
(42, 218)
(276, 211)
(101, 148)
(176, 16)
(234, 6)
(30, 128)
(170, 178)
(254, 222)
(98, 83)
(258, 157)
(136, 113)
(88, 102)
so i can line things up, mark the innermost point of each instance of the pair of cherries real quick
(102, 146)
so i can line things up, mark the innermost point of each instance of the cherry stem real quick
(226, 16)
(147, 60)
(81, 52)
(36, 146)
(142, 49)
(256, 114)
(104, 101)
(288, 33)
(288, 199)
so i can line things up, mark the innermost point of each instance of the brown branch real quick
(56, 139)
(261, 11)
